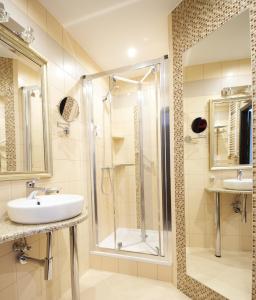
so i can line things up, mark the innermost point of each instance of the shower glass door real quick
(129, 201)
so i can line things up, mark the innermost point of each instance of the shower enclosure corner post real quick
(26, 103)
(88, 97)
(141, 165)
(165, 158)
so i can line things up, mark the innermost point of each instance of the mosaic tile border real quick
(7, 91)
(192, 21)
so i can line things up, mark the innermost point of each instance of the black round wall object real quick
(199, 125)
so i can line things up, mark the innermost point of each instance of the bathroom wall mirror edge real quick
(237, 167)
(217, 86)
(21, 164)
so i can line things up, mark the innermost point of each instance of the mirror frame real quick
(211, 134)
(13, 41)
(190, 22)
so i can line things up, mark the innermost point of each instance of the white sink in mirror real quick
(45, 209)
(238, 184)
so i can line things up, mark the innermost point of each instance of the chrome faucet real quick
(32, 195)
(33, 190)
(239, 174)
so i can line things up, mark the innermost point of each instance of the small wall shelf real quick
(117, 165)
(117, 138)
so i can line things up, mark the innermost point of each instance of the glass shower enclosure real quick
(128, 117)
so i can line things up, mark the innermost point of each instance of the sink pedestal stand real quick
(74, 263)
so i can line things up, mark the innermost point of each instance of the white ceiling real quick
(231, 42)
(107, 28)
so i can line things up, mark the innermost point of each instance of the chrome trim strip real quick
(125, 69)
(141, 155)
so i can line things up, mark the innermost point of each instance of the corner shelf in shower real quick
(123, 165)
(118, 165)
(117, 138)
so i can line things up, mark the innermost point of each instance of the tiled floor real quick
(229, 275)
(100, 285)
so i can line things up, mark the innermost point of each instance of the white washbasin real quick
(236, 184)
(45, 209)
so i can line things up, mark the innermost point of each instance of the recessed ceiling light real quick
(131, 52)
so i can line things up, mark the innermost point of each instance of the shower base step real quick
(130, 239)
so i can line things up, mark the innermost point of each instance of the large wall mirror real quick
(217, 88)
(24, 134)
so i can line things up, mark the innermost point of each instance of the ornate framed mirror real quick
(25, 148)
(230, 136)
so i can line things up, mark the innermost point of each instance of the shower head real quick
(33, 94)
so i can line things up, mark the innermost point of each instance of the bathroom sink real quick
(45, 209)
(238, 184)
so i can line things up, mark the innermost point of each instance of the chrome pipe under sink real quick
(48, 264)
(21, 247)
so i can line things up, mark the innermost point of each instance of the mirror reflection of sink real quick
(45, 209)
(238, 184)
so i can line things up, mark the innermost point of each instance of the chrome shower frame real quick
(27, 139)
(164, 217)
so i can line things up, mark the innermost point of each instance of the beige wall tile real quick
(9, 293)
(127, 267)
(212, 70)
(109, 264)
(147, 270)
(54, 28)
(245, 66)
(22, 4)
(164, 273)
(85, 59)
(83, 245)
(231, 242)
(38, 13)
(68, 43)
(246, 243)
(95, 261)
(230, 68)
(29, 286)
(185, 74)
(197, 240)
(7, 270)
(5, 248)
(64, 279)
(194, 73)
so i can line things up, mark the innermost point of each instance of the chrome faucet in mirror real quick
(239, 174)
